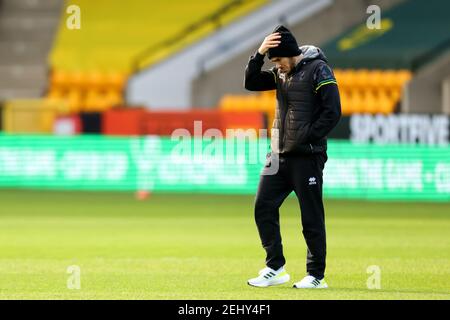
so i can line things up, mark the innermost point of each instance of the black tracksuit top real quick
(308, 105)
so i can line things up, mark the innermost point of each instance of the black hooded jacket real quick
(308, 103)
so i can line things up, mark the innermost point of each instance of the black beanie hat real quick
(288, 46)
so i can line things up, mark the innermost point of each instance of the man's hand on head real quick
(271, 41)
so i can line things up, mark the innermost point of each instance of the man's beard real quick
(291, 66)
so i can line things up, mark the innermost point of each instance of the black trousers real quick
(303, 175)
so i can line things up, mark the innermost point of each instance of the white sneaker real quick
(310, 282)
(269, 277)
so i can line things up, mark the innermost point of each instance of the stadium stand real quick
(91, 65)
(361, 90)
(222, 47)
(317, 28)
(371, 91)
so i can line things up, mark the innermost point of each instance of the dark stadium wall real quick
(317, 29)
(425, 91)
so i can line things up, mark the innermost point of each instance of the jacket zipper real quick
(284, 87)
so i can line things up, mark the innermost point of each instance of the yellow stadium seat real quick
(234, 103)
(345, 102)
(389, 79)
(370, 104)
(252, 103)
(89, 101)
(357, 101)
(77, 80)
(337, 73)
(268, 94)
(267, 103)
(385, 104)
(74, 99)
(95, 80)
(112, 98)
(226, 102)
(55, 94)
(376, 79)
(361, 91)
(94, 101)
(345, 78)
(116, 80)
(59, 79)
(361, 78)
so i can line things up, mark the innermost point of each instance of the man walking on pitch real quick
(308, 107)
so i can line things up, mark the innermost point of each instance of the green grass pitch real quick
(180, 246)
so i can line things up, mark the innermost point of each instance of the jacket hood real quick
(312, 53)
